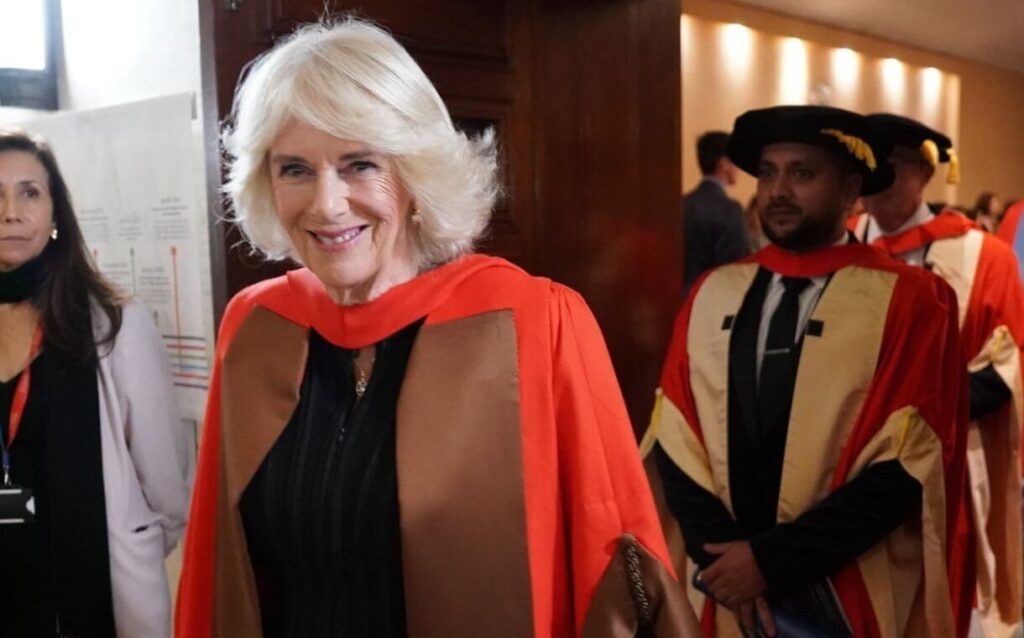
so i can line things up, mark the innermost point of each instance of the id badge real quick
(16, 506)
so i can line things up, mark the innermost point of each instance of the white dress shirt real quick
(808, 300)
(913, 257)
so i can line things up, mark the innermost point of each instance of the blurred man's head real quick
(916, 152)
(712, 158)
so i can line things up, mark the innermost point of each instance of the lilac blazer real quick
(148, 463)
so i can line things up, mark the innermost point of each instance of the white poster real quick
(136, 176)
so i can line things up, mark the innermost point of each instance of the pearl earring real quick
(53, 233)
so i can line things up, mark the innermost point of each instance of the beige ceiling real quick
(988, 31)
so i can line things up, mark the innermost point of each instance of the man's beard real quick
(810, 233)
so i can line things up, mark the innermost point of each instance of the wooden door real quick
(584, 95)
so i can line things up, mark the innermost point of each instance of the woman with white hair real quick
(402, 438)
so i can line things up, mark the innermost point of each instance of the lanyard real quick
(18, 404)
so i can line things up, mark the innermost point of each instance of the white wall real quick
(10, 114)
(118, 51)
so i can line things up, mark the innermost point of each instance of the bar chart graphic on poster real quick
(135, 173)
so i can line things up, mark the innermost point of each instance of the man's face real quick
(803, 195)
(899, 202)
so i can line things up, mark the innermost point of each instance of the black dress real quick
(25, 605)
(321, 513)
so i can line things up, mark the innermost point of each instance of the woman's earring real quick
(416, 217)
(53, 232)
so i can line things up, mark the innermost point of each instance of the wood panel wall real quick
(585, 95)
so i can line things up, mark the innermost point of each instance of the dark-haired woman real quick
(95, 461)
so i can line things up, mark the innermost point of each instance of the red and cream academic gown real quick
(524, 510)
(881, 381)
(983, 272)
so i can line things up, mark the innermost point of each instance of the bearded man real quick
(809, 429)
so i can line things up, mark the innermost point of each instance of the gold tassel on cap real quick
(930, 151)
(953, 175)
(856, 146)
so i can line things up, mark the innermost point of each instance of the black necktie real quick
(781, 357)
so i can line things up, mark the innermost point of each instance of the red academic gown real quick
(524, 510)
(983, 273)
(880, 382)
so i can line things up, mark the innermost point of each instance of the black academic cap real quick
(935, 147)
(845, 133)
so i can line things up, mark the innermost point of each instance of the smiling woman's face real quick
(345, 210)
(26, 209)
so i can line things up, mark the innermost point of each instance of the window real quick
(29, 37)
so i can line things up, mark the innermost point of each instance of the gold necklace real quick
(363, 379)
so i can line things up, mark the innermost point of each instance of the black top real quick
(988, 392)
(25, 605)
(714, 231)
(321, 514)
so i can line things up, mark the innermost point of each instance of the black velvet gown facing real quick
(321, 513)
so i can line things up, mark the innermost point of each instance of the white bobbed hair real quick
(352, 80)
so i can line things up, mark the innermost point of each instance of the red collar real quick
(305, 301)
(820, 262)
(944, 225)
